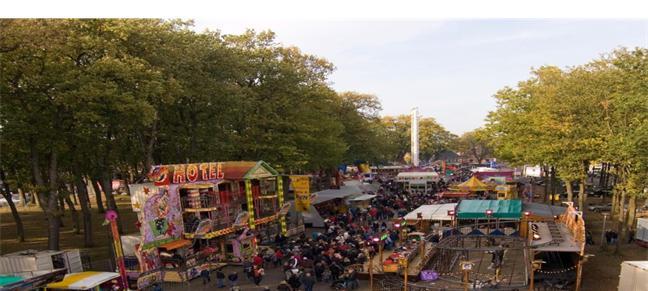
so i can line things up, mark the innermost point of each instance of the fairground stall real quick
(507, 245)
(194, 217)
(473, 186)
(95, 281)
(419, 182)
(431, 217)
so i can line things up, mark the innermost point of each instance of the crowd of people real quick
(334, 254)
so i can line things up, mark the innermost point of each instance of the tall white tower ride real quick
(415, 139)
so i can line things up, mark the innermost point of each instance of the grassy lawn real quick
(36, 230)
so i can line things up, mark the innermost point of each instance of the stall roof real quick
(473, 184)
(543, 210)
(176, 244)
(451, 194)
(417, 174)
(432, 211)
(363, 197)
(9, 279)
(83, 280)
(476, 209)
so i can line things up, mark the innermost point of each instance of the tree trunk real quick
(545, 177)
(632, 208)
(84, 199)
(570, 191)
(23, 197)
(106, 185)
(100, 206)
(620, 222)
(53, 215)
(75, 215)
(552, 184)
(6, 192)
(582, 196)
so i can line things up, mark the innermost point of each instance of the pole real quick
(380, 248)
(111, 218)
(370, 271)
(404, 260)
(466, 284)
(603, 242)
(531, 283)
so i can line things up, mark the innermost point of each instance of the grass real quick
(35, 225)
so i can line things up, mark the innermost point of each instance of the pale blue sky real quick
(449, 69)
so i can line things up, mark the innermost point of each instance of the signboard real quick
(466, 266)
(185, 173)
(301, 185)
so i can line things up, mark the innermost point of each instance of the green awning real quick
(7, 279)
(476, 209)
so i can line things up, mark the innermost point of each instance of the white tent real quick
(363, 197)
(432, 212)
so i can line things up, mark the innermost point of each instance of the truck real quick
(634, 276)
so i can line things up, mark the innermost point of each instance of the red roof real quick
(236, 170)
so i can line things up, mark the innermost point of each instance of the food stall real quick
(363, 201)
(409, 250)
(431, 216)
(417, 181)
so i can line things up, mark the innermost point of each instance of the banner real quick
(301, 186)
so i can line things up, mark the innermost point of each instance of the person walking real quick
(259, 272)
(220, 278)
(233, 278)
(308, 282)
(284, 286)
(206, 278)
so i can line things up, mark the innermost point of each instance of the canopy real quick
(417, 177)
(83, 280)
(176, 244)
(363, 197)
(451, 194)
(473, 184)
(476, 209)
(432, 212)
(8, 279)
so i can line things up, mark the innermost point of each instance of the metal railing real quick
(202, 201)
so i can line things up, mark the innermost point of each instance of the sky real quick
(448, 69)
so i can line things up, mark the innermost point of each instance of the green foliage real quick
(433, 138)
(567, 118)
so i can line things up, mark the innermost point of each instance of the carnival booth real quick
(363, 201)
(473, 185)
(489, 217)
(419, 182)
(432, 216)
(88, 281)
(192, 216)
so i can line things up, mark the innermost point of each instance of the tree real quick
(474, 144)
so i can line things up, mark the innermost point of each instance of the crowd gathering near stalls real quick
(328, 256)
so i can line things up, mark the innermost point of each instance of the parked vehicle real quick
(368, 177)
(4, 202)
(634, 276)
(600, 208)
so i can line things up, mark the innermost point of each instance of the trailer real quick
(641, 235)
(634, 276)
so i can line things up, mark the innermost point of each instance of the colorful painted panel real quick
(161, 217)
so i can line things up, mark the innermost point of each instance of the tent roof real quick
(452, 194)
(473, 184)
(432, 212)
(417, 174)
(363, 197)
(543, 210)
(476, 209)
(83, 280)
